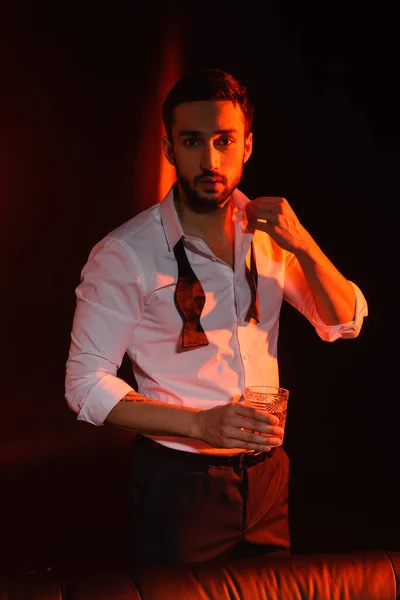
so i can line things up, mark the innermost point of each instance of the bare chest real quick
(223, 251)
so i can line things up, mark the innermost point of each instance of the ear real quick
(248, 146)
(167, 147)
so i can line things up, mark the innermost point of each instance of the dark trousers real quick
(185, 508)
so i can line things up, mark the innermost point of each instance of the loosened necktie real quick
(190, 297)
(252, 278)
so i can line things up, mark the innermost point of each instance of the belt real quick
(243, 460)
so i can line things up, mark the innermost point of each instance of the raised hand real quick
(275, 216)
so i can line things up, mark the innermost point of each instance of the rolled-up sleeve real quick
(330, 333)
(109, 304)
(297, 292)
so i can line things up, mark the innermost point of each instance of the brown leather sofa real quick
(371, 575)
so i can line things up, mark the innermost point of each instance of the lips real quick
(210, 180)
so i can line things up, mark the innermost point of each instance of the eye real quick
(225, 141)
(192, 142)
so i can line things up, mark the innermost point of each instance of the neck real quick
(214, 223)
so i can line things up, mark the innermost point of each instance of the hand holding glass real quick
(270, 399)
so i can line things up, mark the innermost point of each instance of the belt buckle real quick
(253, 458)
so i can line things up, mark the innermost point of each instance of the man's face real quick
(208, 150)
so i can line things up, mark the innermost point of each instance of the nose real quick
(209, 158)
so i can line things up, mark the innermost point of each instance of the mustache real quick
(208, 175)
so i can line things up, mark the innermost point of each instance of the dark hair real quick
(206, 84)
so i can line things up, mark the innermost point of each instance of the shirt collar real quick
(172, 225)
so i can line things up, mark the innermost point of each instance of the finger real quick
(260, 444)
(261, 225)
(255, 414)
(269, 200)
(257, 438)
(251, 440)
(273, 199)
(268, 204)
(253, 425)
(262, 447)
(250, 437)
(263, 217)
(259, 211)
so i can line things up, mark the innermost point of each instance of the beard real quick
(203, 202)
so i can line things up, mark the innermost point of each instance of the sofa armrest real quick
(395, 560)
(369, 575)
(113, 585)
(350, 576)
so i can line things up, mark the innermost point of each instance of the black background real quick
(75, 80)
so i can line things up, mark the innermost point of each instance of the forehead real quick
(208, 116)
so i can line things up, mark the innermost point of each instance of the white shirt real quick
(125, 304)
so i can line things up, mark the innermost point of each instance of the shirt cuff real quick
(102, 398)
(349, 330)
